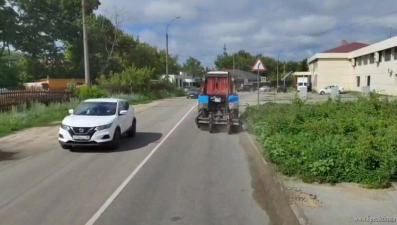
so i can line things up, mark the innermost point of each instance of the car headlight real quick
(65, 127)
(104, 127)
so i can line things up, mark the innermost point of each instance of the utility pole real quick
(278, 59)
(166, 44)
(85, 39)
(259, 64)
(284, 74)
(277, 71)
(234, 73)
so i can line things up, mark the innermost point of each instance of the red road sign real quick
(259, 66)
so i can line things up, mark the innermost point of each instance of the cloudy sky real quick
(258, 26)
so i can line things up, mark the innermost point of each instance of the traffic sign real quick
(259, 66)
(263, 79)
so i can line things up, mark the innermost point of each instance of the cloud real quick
(258, 26)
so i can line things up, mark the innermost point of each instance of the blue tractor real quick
(217, 104)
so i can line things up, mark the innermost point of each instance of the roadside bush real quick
(330, 142)
(179, 92)
(134, 99)
(93, 91)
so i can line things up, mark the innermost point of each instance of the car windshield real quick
(96, 109)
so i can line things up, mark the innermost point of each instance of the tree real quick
(48, 33)
(303, 65)
(193, 67)
(243, 60)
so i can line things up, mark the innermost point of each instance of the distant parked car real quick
(282, 89)
(265, 88)
(327, 90)
(187, 89)
(193, 93)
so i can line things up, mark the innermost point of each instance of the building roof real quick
(241, 74)
(346, 47)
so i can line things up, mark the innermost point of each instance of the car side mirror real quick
(71, 111)
(123, 112)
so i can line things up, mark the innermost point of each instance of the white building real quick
(183, 80)
(357, 65)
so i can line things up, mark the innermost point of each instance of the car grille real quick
(82, 131)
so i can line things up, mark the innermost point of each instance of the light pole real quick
(166, 44)
(85, 39)
(278, 57)
(258, 80)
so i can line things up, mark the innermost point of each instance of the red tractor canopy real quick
(218, 83)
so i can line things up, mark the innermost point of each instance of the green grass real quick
(330, 142)
(37, 114)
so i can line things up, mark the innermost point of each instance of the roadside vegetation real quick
(33, 114)
(330, 142)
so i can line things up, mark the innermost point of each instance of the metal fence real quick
(11, 98)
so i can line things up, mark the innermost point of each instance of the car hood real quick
(87, 121)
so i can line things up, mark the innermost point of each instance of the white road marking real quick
(109, 201)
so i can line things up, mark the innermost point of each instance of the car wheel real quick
(322, 93)
(132, 132)
(116, 139)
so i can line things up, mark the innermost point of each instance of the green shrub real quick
(179, 92)
(330, 142)
(134, 99)
(86, 92)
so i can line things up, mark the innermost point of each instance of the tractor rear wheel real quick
(230, 129)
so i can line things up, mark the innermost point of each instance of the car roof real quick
(104, 100)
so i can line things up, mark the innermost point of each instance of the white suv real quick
(95, 122)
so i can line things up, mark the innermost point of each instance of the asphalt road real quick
(171, 173)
